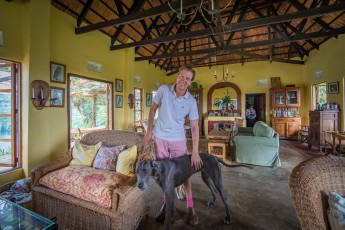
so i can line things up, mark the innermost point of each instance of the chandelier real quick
(207, 6)
(225, 75)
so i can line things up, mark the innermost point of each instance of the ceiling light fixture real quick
(225, 75)
(207, 6)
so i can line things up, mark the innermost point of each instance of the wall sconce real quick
(131, 100)
(39, 93)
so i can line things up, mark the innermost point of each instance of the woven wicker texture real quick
(128, 205)
(310, 183)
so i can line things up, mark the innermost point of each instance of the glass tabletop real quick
(13, 216)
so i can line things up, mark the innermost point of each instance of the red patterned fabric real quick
(85, 183)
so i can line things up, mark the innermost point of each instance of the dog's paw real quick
(211, 204)
(227, 220)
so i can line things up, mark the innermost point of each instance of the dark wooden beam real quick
(84, 12)
(249, 45)
(134, 17)
(240, 25)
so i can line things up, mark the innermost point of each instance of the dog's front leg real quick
(169, 211)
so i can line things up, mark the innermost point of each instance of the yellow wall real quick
(330, 60)
(36, 33)
(246, 78)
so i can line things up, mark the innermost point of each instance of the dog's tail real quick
(232, 165)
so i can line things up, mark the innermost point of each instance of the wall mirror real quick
(219, 91)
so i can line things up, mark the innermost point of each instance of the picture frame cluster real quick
(57, 75)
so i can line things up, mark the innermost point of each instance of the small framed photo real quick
(57, 72)
(118, 85)
(333, 87)
(148, 99)
(275, 82)
(119, 101)
(57, 97)
(233, 104)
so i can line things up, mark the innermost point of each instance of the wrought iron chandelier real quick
(207, 6)
(225, 75)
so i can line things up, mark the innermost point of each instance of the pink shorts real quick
(170, 149)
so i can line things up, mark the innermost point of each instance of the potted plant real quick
(222, 103)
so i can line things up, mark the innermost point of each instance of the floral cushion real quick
(106, 157)
(126, 161)
(84, 154)
(86, 183)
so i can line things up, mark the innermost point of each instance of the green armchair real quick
(258, 145)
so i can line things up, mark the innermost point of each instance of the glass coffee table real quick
(13, 216)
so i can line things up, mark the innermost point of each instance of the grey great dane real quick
(170, 173)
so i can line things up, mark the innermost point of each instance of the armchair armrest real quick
(38, 173)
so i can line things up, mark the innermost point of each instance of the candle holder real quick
(39, 93)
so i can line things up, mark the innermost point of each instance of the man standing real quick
(250, 116)
(175, 103)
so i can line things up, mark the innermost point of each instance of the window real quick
(138, 109)
(319, 94)
(9, 122)
(90, 106)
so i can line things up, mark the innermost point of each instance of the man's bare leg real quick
(191, 214)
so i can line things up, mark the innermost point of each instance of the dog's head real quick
(144, 171)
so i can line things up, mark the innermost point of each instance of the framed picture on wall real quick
(333, 87)
(57, 97)
(148, 99)
(57, 72)
(119, 101)
(233, 104)
(118, 85)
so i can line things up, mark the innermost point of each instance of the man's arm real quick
(151, 118)
(195, 159)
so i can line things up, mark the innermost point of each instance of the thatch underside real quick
(245, 31)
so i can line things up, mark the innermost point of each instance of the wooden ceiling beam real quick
(301, 7)
(84, 12)
(250, 44)
(241, 25)
(134, 17)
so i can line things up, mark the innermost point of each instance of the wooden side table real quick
(340, 137)
(218, 139)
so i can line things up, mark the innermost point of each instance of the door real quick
(259, 103)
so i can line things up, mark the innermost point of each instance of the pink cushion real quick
(86, 183)
(106, 157)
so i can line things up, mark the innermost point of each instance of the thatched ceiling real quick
(245, 31)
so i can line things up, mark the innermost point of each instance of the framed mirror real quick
(219, 91)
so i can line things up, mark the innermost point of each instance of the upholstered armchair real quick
(310, 184)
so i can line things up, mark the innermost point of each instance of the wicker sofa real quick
(310, 183)
(127, 201)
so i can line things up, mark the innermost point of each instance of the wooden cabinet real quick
(285, 119)
(320, 121)
(286, 127)
(197, 94)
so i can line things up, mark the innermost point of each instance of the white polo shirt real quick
(172, 113)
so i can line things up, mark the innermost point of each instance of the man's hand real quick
(147, 137)
(196, 161)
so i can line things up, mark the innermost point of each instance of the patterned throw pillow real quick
(84, 154)
(336, 211)
(106, 157)
(126, 161)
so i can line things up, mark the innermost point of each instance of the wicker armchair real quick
(310, 183)
(128, 205)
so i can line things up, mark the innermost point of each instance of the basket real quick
(7, 186)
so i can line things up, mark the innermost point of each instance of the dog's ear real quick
(154, 164)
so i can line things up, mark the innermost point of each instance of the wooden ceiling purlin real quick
(251, 30)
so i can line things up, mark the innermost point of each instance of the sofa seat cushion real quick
(86, 183)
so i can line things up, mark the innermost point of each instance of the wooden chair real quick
(303, 133)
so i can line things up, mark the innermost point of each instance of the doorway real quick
(258, 101)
